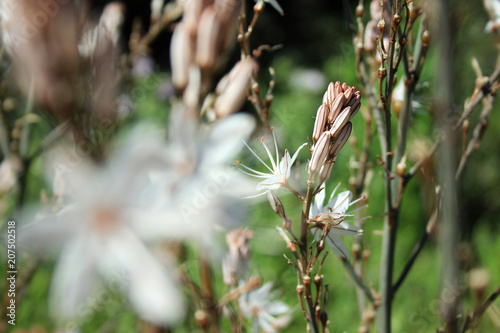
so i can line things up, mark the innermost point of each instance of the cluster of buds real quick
(333, 127)
(201, 39)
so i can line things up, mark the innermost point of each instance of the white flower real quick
(101, 236)
(198, 190)
(271, 315)
(332, 219)
(279, 171)
(493, 9)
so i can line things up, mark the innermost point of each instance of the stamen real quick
(254, 154)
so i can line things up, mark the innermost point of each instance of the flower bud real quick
(341, 139)
(335, 107)
(276, 204)
(206, 41)
(180, 55)
(319, 124)
(326, 170)
(329, 95)
(320, 152)
(340, 122)
(234, 88)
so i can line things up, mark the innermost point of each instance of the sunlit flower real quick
(269, 314)
(279, 171)
(331, 218)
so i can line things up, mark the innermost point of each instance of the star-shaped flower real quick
(279, 171)
(271, 315)
(331, 219)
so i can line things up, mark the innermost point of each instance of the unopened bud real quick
(338, 88)
(276, 204)
(324, 174)
(234, 88)
(206, 41)
(465, 126)
(341, 140)
(329, 95)
(366, 254)
(180, 55)
(401, 167)
(300, 289)
(319, 123)
(340, 122)
(336, 106)
(306, 280)
(382, 73)
(318, 279)
(479, 279)
(320, 152)
(396, 19)
(202, 318)
(359, 10)
(381, 25)
(426, 37)
(348, 94)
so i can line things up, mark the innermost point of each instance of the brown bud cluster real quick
(333, 127)
(204, 35)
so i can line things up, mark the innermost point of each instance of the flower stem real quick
(306, 206)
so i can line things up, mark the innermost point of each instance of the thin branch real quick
(358, 280)
(416, 251)
(476, 315)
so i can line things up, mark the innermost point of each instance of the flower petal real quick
(345, 229)
(337, 245)
(340, 203)
(152, 291)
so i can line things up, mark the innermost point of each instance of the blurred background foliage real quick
(316, 40)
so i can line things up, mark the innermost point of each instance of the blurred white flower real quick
(269, 314)
(332, 219)
(493, 9)
(279, 173)
(199, 190)
(100, 230)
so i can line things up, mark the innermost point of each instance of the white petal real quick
(152, 291)
(272, 183)
(345, 229)
(294, 157)
(340, 203)
(337, 245)
(74, 279)
(48, 233)
(317, 206)
(277, 308)
(225, 139)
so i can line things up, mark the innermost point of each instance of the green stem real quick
(306, 206)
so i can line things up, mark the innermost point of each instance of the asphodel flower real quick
(279, 172)
(329, 221)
